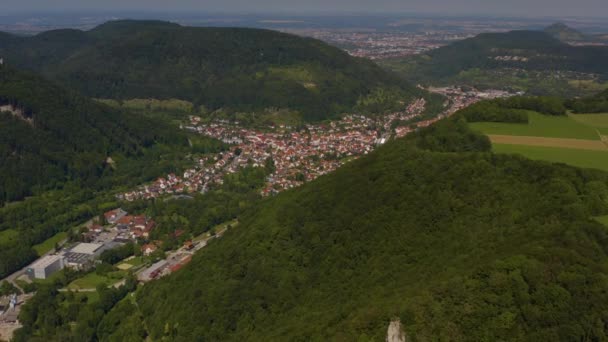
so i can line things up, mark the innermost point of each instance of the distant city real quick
(369, 36)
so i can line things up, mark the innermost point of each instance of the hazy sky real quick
(596, 8)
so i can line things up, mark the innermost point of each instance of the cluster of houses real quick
(510, 58)
(129, 228)
(299, 155)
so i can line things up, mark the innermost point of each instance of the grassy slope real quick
(540, 126)
(92, 280)
(49, 244)
(580, 158)
(598, 121)
(575, 126)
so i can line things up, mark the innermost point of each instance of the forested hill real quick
(521, 50)
(461, 244)
(565, 33)
(592, 104)
(49, 135)
(243, 69)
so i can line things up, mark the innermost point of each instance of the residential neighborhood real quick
(302, 154)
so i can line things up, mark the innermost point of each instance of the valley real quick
(214, 183)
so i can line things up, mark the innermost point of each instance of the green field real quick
(91, 280)
(597, 121)
(580, 158)
(573, 126)
(137, 261)
(541, 126)
(49, 244)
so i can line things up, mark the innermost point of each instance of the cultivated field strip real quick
(579, 144)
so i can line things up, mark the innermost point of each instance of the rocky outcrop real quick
(16, 112)
(395, 332)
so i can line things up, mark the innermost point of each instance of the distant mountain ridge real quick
(516, 56)
(565, 33)
(244, 69)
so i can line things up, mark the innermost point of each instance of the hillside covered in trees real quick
(233, 68)
(49, 135)
(513, 110)
(565, 33)
(457, 242)
(592, 104)
(533, 61)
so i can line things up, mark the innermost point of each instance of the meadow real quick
(581, 158)
(574, 139)
(93, 279)
(542, 126)
(597, 121)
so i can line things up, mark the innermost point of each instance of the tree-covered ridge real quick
(592, 104)
(565, 33)
(534, 60)
(49, 135)
(461, 244)
(244, 69)
(513, 110)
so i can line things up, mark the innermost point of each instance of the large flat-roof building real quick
(46, 266)
(88, 248)
(83, 255)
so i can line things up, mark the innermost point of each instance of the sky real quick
(536, 8)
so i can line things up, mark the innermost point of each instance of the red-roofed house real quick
(148, 249)
(113, 216)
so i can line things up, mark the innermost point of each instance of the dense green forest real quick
(49, 135)
(593, 104)
(457, 242)
(533, 61)
(242, 69)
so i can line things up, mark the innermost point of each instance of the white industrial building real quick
(83, 255)
(46, 266)
(88, 248)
